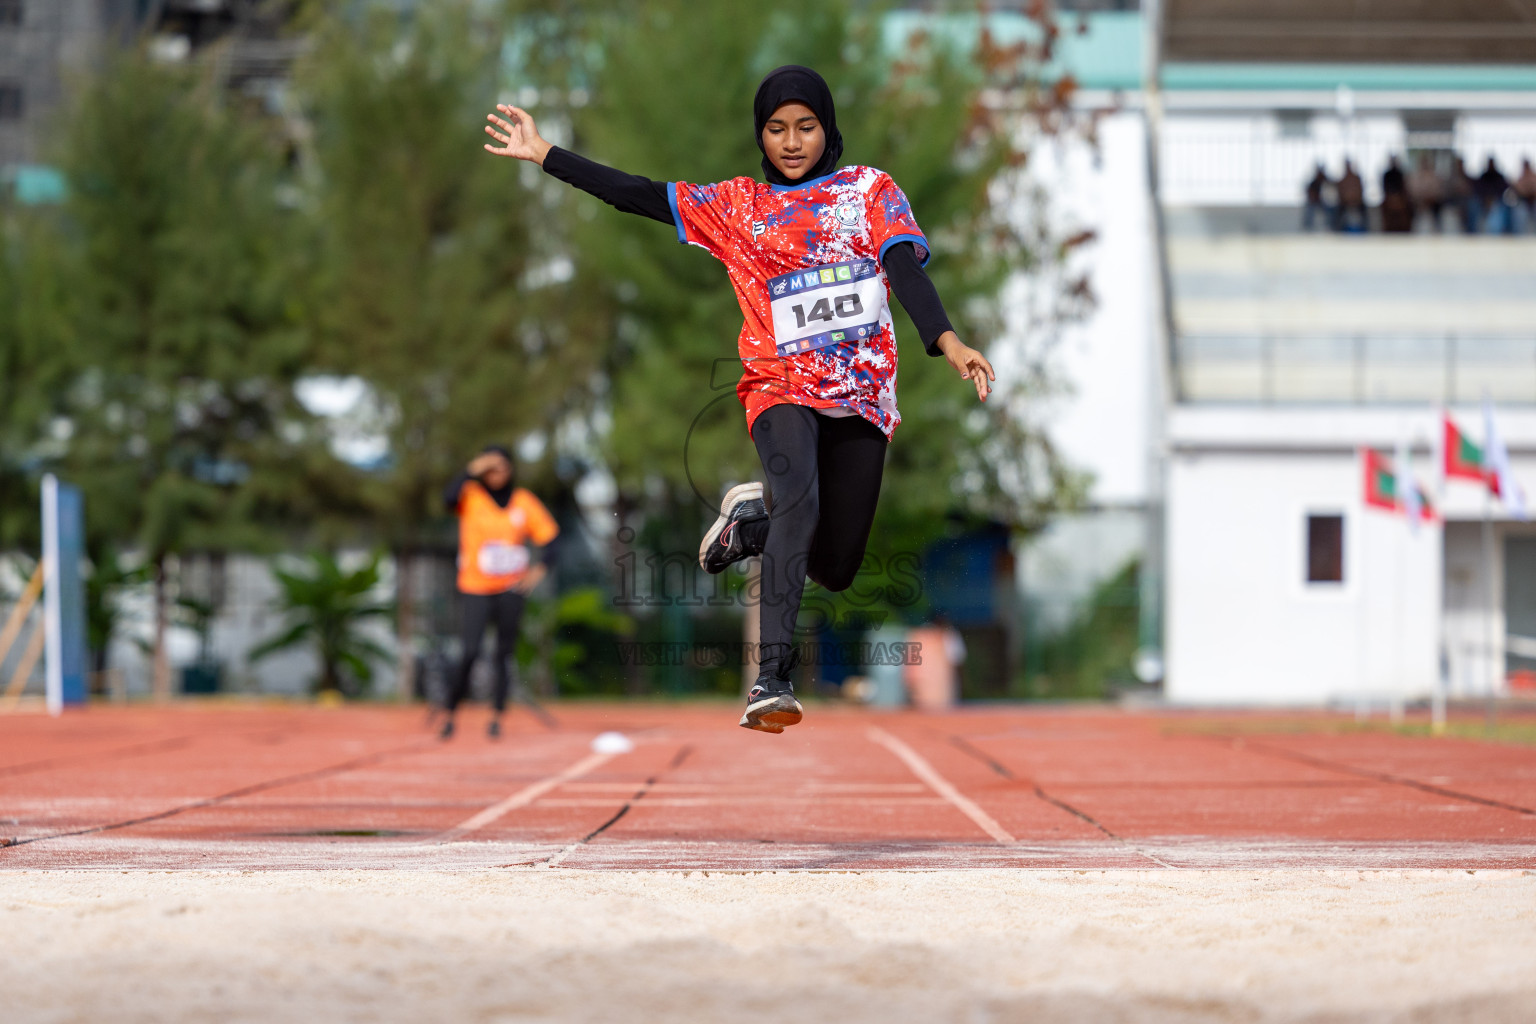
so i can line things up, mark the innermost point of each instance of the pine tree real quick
(437, 288)
(173, 308)
(667, 94)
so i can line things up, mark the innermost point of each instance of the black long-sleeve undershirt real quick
(914, 288)
(627, 193)
(632, 193)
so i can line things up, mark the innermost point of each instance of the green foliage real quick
(670, 310)
(165, 298)
(103, 588)
(327, 606)
(1095, 652)
(435, 286)
(560, 633)
(32, 368)
(14, 435)
(209, 257)
(198, 615)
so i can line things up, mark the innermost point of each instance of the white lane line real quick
(940, 785)
(790, 800)
(523, 797)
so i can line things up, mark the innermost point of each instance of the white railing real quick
(1248, 162)
(1355, 370)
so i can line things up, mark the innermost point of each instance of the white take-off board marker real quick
(612, 743)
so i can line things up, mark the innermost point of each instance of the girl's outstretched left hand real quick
(972, 365)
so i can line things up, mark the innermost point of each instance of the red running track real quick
(223, 786)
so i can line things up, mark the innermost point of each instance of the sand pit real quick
(972, 946)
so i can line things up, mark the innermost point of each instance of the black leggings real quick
(479, 610)
(823, 478)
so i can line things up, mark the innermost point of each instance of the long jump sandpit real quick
(293, 863)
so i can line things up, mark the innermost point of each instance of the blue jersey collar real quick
(807, 184)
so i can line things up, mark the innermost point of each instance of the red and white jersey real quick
(805, 260)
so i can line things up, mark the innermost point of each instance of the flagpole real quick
(1491, 714)
(1395, 695)
(1442, 658)
(1408, 495)
(1362, 660)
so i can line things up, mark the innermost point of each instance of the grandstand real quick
(1283, 350)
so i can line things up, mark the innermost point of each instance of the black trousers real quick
(479, 610)
(823, 477)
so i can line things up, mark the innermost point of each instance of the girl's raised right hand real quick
(520, 138)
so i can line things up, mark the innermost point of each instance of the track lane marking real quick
(1240, 742)
(132, 750)
(940, 785)
(234, 794)
(523, 797)
(640, 794)
(961, 743)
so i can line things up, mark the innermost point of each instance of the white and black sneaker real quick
(771, 703)
(771, 706)
(725, 543)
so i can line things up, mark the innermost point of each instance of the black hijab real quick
(789, 84)
(503, 494)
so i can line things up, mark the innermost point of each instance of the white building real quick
(1284, 352)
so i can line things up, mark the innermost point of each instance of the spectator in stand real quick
(1351, 200)
(1462, 197)
(1396, 210)
(1322, 200)
(1525, 192)
(1489, 189)
(1426, 190)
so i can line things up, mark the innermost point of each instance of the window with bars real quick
(1325, 549)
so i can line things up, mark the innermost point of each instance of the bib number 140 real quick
(828, 309)
(819, 306)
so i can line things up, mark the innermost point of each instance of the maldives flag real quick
(1381, 486)
(1462, 458)
(1380, 480)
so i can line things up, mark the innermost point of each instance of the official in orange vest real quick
(498, 521)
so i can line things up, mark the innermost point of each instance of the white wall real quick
(248, 616)
(1474, 646)
(1244, 626)
(1101, 423)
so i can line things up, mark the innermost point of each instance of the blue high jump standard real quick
(63, 593)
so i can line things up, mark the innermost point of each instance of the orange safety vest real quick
(493, 552)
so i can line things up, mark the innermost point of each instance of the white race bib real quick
(821, 306)
(498, 559)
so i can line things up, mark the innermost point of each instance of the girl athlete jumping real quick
(811, 253)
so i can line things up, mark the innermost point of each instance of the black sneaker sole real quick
(773, 714)
(739, 493)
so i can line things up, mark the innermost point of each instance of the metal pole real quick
(1163, 378)
(1362, 621)
(1359, 354)
(1394, 695)
(1450, 369)
(1488, 635)
(1442, 653)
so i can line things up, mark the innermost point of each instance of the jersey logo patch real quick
(847, 218)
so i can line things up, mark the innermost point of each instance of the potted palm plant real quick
(203, 675)
(327, 607)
